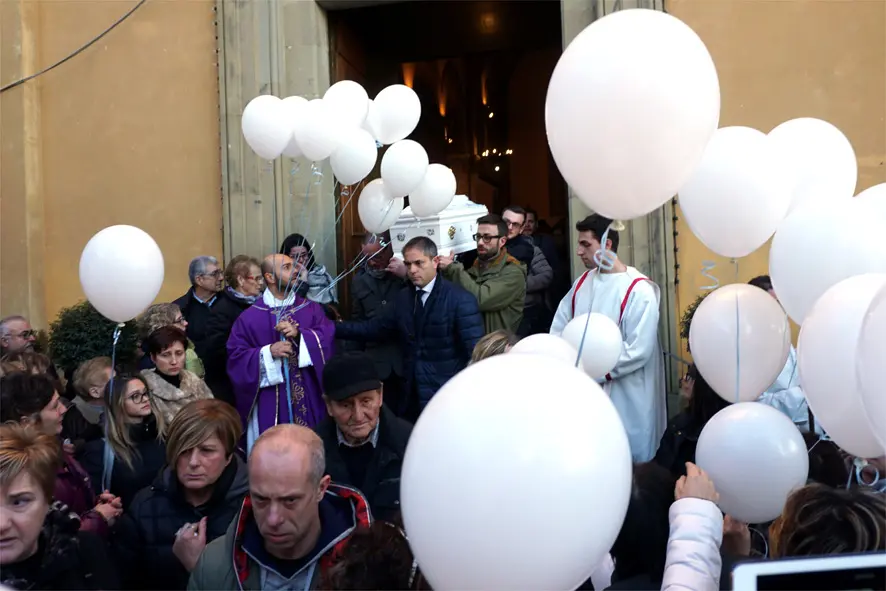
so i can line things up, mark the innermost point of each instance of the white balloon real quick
(814, 249)
(355, 156)
(294, 107)
(548, 345)
(403, 167)
(484, 506)
(366, 124)
(827, 361)
(818, 160)
(377, 209)
(318, 132)
(871, 368)
(874, 200)
(631, 105)
(434, 193)
(263, 126)
(121, 271)
(756, 457)
(349, 102)
(737, 196)
(394, 113)
(603, 342)
(746, 316)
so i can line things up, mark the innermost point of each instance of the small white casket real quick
(452, 229)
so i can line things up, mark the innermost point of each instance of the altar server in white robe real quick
(786, 394)
(636, 384)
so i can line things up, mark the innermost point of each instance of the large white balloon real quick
(318, 132)
(434, 193)
(827, 360)
(484, 506)
(264, 127)
(631, 105)
(548, 345)
(355, 156)
(871, 366)
(737, 196)
(874, 199)
(377, 209)
(121, 271)
(814, 249)
(818, 160)
(756, 457)
(349, 103)
(603, 342)
(294, 107)
(394, 113)
(403, 167)
(743, 316)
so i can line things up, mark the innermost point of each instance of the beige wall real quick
(125, 133)
(778, 60)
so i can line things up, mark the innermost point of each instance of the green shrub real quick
(81, 333)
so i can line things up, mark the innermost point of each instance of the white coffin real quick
(452, 229)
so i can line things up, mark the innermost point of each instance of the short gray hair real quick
(427, 246)
(198, 267)
(4, 323)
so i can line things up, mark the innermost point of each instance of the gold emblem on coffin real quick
(451, 232)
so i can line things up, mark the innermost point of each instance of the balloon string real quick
(737, 340)
(706, 269)
(107, 455)
(605, 260)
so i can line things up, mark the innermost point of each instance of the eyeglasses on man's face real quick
(215, 274)
(25, 334)
(487, 238)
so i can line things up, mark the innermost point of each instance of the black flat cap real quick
(349, 374)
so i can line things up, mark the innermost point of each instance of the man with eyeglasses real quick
(539, 274)
(16, 335)
(496, 278)
(207, 279)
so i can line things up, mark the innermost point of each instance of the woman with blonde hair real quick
(132, 452)
(44, 546)
(196, 496)
(158, 316)
(245, 285)
(495, 343)
(171, 384)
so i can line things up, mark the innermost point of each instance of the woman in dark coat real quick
(245, 285)
(33, 400)
(132, 452)
(44, 546)
(197, 495)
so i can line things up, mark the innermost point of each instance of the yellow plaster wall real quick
(128, 134)
(782, 59)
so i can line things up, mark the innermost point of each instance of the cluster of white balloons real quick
(121, 272)
(348, 127)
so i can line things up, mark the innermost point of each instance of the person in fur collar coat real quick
(170, 384)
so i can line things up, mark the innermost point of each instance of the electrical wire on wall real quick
(77, 52)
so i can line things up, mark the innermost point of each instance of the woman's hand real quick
(695, 484)
(108, 511)
(189, 543)
(736, 537)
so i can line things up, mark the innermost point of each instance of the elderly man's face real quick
(285, 497)
(212, 279)
(356, 416)
(19, 337)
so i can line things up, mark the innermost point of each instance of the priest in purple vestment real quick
(280, 336)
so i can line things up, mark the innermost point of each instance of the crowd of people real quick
(258, 443)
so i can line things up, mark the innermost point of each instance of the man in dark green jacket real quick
(496, 279)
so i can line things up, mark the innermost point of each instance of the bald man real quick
(292, 524)
(276, 353)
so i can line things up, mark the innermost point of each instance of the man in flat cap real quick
(364, 441)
